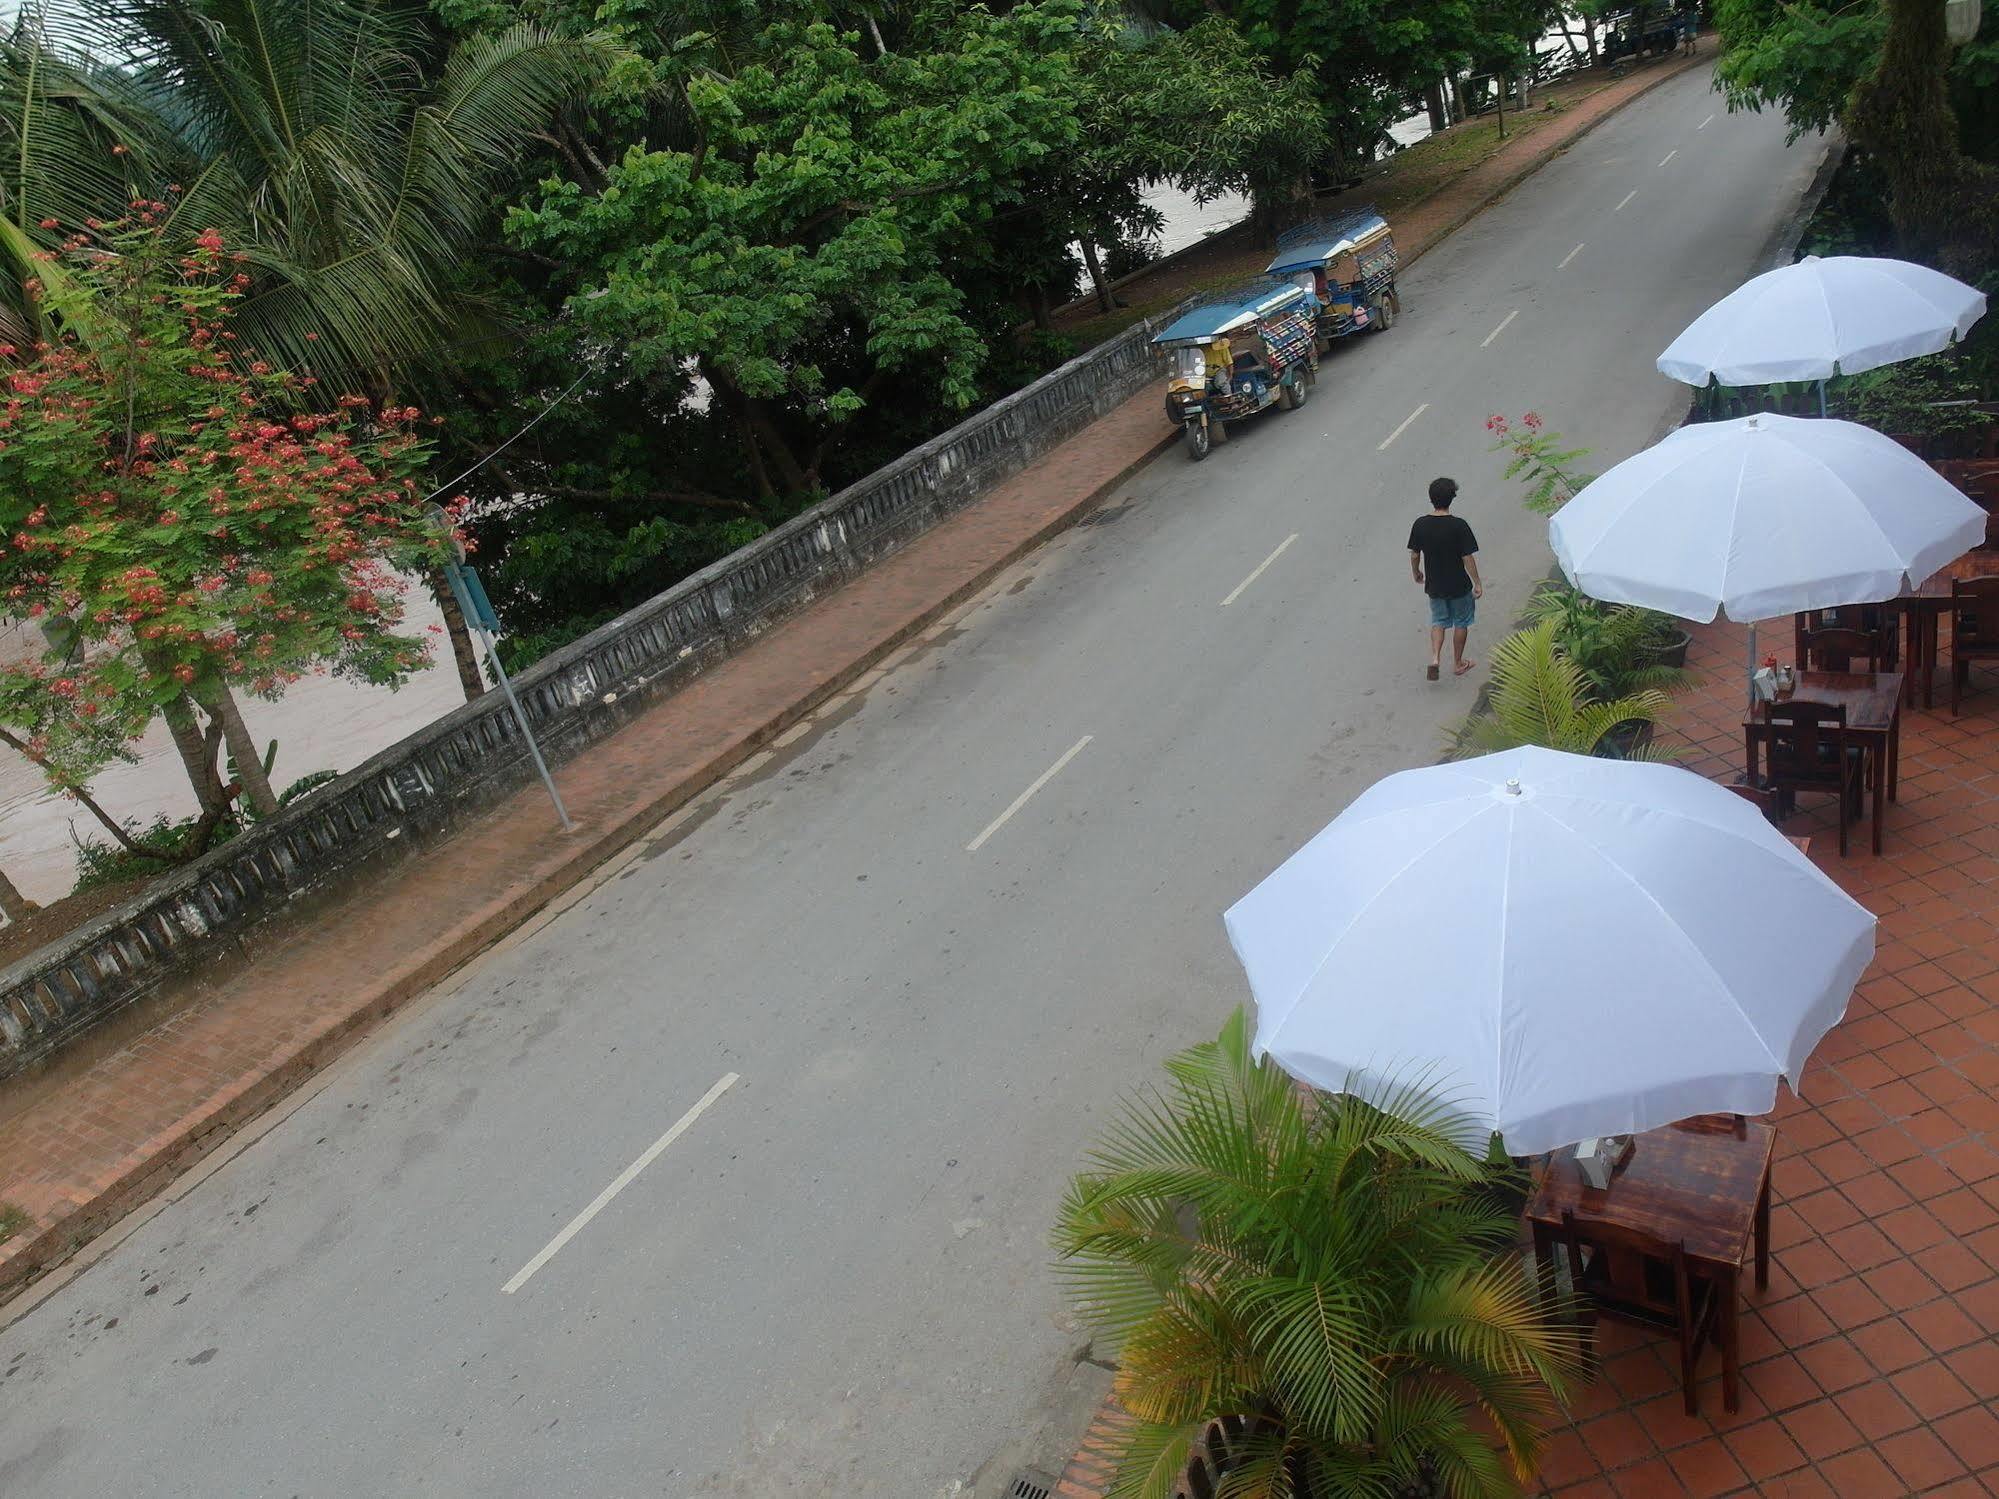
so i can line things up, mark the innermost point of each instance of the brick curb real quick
(166, 1152)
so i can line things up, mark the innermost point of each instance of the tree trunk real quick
(1945, 205)
(197, 754)
(1044, 314)
(1434, 102)
(471, 680)
(15, 906)
(1105, 301)
(763, 443)
(243, 750)
(1499, 99)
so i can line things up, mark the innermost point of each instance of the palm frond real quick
(1330, 1270)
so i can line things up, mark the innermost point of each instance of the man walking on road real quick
(1443, 558)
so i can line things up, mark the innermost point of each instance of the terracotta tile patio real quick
(1871, 1364)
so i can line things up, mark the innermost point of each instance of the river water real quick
(321, 723)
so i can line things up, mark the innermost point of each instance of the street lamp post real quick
(479, 617)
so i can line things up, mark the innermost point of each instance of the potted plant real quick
(1539, 695)
(1310, 1295)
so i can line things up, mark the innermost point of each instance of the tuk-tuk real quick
(1347, 263)
(1236, 354)
(1644, 30)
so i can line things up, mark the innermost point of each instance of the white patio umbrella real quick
(1568, 947)
(1820, 318)
(1762, 516)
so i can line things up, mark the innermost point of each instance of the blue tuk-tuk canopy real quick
(1323, 240)
(1228, 312)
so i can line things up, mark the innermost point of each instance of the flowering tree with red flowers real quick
(1539, 461)
(179, 520)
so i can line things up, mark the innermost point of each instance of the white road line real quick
(624, 1180)
(1020, 801)
(1382, 446)
(1669, 156)
(1569, 257)
(1500, 329)
(1259, 569)
(1705, 123)
(1626, 199)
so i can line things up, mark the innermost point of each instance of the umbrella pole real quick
(1750, 679)
(1821, 398)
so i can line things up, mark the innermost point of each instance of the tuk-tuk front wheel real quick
(1195, 433)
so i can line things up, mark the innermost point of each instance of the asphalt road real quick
(834, 1280)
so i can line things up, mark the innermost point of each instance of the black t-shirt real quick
(1445, 541)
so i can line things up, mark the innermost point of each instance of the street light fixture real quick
(1960, 20)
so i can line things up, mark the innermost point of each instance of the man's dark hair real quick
(1442, 492)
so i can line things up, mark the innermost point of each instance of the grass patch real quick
(12, 1221)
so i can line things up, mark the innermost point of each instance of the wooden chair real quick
(1803, 746)
(1974, 630)
(1878, 622)
(1624, 1275)
(1837, 649)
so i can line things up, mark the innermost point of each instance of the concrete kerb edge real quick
(24, 1260)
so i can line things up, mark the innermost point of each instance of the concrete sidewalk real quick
(109, 1124)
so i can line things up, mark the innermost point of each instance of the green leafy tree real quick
(1945, 203)
(1332, 1272)
(809, 220)
(1368, 58)
(191, 528)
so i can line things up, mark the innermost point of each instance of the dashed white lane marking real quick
(1382, 446)
(623, 1180)
(1500, 329)
(1022, 800)
(1259, 569)
(1669, 156)
(1564, 265)
(1626, 199)
(1705, 123)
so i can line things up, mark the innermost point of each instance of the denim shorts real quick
(1453, 614)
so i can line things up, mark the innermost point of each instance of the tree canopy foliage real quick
(669, 270)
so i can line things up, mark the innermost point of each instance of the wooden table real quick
(1873, 703)
(1925, 604)
(1698, 1184)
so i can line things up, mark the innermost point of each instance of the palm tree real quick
(1326, 1276)
(1539, 696)
(351, 158)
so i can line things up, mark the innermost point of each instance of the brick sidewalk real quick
(97, 1139)
(1871, 1364)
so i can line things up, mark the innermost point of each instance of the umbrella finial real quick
(1513, 786)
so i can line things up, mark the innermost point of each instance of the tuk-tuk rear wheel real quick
(1196, 435)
